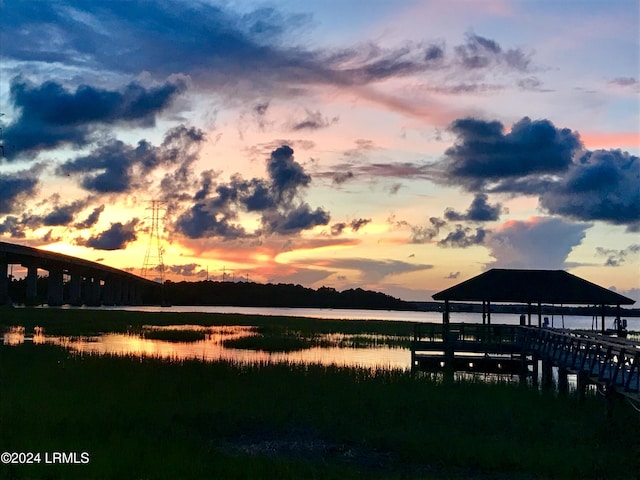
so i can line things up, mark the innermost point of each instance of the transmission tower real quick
(153, 263)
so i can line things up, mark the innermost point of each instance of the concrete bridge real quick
(90, 283)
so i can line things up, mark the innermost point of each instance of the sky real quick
(394, 146)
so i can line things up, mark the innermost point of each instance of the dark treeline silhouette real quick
(252, 294)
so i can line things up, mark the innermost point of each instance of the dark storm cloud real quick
(115, 237)
(483, 156)
(536, 158)
(463, 237)
(16, 187)
(600, 185)
(286, 175)
(294, 220)
(278, 200)
(203, 221)
(13, 226)
(215, 46)
(119, 167)
(50, 115)
(478, 211)
(91, 219)
(63, 214)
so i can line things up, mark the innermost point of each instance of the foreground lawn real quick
(152, 419)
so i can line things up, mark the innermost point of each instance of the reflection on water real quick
(212, 348)
(15, 335)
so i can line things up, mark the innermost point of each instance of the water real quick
(212, 348)
(582, 322)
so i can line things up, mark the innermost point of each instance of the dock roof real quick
(532, 286)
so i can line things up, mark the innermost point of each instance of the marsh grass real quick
(271, 343)
(88, 322)
(171, 335)
(154, 419)
(275, 338)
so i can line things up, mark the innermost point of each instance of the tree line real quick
(251, 294)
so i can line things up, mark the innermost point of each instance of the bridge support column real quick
(108, 291)
(4, 282)
(117, 291)
(75, 289)
(54, 294)
(91, 288)
(94, 292)
(126, 289)
(137, 294)
(32, 284)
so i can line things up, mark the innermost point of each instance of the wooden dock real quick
(611, 363)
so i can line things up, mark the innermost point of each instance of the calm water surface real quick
(557, 321)
(212, 347)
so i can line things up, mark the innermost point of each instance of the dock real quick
(531, 353)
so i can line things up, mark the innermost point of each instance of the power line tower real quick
(153, 263)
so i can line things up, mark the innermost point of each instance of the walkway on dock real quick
(611, 363)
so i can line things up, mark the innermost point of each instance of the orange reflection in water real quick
(212, 349)
(16, 335)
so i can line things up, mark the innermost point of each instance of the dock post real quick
(448, 345)
(413, 348)
(563, 381)
(524, 367)
(610, 400)
(534, 377)
(547, 374)
(55, 287)
(582, 381)
(32, 284)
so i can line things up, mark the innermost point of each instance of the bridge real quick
(89, 283)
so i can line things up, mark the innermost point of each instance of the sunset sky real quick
(398, 146)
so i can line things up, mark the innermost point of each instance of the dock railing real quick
(611, 362)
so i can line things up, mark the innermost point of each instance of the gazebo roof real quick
(535, 286)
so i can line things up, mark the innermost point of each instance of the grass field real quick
(154, 419)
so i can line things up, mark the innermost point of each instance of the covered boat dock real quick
(613, 362)
(533, 288)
